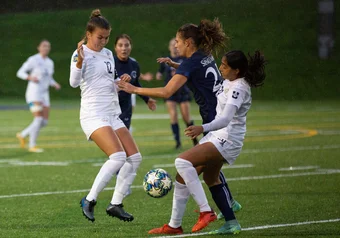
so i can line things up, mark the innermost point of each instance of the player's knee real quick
(135, 159)
(211, 180)
(182, 164)
(118, 156)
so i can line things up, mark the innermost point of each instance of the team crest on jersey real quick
(134, 74)
(235, 94)
(75, 58)
(226, 90)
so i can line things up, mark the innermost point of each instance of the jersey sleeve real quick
(75, 72)
(26, 68)
(235, 96)
(222, 120)
(52, 81)
(185, 68)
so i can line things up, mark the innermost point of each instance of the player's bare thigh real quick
(46, 112)
(127, 141)
(107, 140)
(40, 112)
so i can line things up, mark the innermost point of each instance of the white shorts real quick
(225, 146)
(89, 125)
(44, 99)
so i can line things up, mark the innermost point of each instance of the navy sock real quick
(221, 198)
(224, 181)
(175, 131)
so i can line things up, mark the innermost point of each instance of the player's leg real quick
(172, 110)
(108, 142)
(126, 174)
(133, 103)
(185, 111)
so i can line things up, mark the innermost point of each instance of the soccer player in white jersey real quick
(93, 69)
(38, 71)
(221, 145)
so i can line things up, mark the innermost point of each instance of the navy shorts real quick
(180, 96)
(126, 117)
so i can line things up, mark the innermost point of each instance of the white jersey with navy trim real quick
(237, 93)
(96, 78)
(43, 70)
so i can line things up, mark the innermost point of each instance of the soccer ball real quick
(157, 183)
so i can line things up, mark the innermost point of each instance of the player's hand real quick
(147, 76)
(33, 79)
(152, 104)
(165, 60)
(80, 52)
(159, 76)
(127, 87)
(125, 78)
(57, 86)
(193, 131)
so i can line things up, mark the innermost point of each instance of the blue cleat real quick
(229, 228)
(235, 206)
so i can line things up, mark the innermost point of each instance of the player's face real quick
(123, 48)
(227, 72)
(172, 47)
(98, 39)
(180, 45)
(44, 48)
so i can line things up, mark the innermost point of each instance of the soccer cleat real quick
(166, 229)
(203, 221)
(235, 206)
(21, 140)
(230, 227)
(118, 211)
(35, 150)
(178, 146)
(88, 208)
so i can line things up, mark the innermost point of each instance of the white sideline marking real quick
(254, 228)
(323, 171)
(299, 168)
(236, 166)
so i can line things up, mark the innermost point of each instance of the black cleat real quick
(88, 208)
(118, 211)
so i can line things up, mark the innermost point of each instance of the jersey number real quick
(217, 83)
(108, 67)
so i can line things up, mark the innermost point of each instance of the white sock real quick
(109, 168)
(44, 123)
(179, 203)
(34, 132)
(191, 179)
(125, 177)
(28, 129)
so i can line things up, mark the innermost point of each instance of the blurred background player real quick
(126, 65)
(93, 69)
(181, 97)
(199, 71)
(38, 70)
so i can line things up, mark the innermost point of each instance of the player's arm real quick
(169, 62)
(23, 72)
(173, 85)
(54, 83)
(77, 65)
(233, 103)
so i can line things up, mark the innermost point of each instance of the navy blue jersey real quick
(183, 93)
(130, 67)
(204, 80)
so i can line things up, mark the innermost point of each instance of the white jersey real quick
(99, 95)
(237, 93)
(43, 70)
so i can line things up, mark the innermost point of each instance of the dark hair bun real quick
(95, 13)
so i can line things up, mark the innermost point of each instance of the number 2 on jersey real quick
(217, 83)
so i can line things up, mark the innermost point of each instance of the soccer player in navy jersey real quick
(181, 98)
(199, 71)
(126, 65)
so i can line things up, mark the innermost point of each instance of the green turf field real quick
(288, 172)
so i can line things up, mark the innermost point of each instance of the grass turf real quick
(280, 135)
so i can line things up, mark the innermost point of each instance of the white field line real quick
(254, 228)
(320, 172)
(299, 168)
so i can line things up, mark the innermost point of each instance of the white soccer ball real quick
(157, 183)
